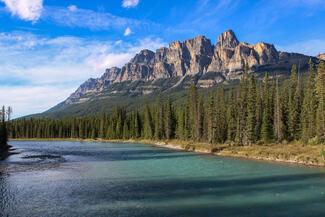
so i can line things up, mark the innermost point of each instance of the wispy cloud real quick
(90, 19)
(130, 3)
(29, 10)
(33, 99)
(72, 8)
(127, 31)
(40, 65)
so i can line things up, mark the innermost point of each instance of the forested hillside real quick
(273, 109)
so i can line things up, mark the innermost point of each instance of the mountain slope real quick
(170, 70)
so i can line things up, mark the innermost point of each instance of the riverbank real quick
(295, 153)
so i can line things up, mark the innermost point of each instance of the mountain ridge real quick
(194, 60)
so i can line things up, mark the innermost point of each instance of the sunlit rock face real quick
(198, 57)
(321, 56)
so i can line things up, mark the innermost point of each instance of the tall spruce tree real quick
(309, 106)
(159, 123)
(320, 88)
(231, 118)
(211, 120)
(169, 120)
(266, 129)
(193, 113)
(148, 126)
(278, 123)
(3, 128)
(220, 117)
(251, 111)
(293, 104)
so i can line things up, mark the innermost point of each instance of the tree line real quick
(272, 109)
(5, 115)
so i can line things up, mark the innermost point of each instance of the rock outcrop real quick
(321, 56)
(210, 63)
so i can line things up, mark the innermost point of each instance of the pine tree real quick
(159, 124)
(251, 111)
(193, 113)
(3, 130)
(293, 107)
(148, 124)
(320, 88)
(220, 118)
(266, 130)
(309, 106)
(242, 111)
(126, 130)
(102, 128)
(211, 120)
(169, 120)
(199, 121)
(231, 118)
(278, 125)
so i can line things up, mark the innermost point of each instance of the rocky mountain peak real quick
(144, 56)
(321, 56)
(193, 58)
(228, 39)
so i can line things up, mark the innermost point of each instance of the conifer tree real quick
(102, 128)
(180, 123)
(159, 124)
(251, 111)
(211, 119)
(231, 118)
(266, 129)
(4, 129)
(293, 107)
(278, 125)
(242, 110)
(193, 112)
(220, 117)
(320, 90)
(169, 120)
(148, 126)
(309, 106)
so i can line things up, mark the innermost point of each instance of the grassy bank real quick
(297, 153)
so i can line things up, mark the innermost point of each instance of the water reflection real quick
(7, 196)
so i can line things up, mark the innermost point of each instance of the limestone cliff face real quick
(321, 56)
(212, 64)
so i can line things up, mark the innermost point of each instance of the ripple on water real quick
(102, 179)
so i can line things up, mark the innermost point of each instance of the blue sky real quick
(49, 47)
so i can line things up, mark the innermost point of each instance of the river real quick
(93, 179)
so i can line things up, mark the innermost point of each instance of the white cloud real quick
(94, 20)
(127, 31)
(40, 66)
(72, 8)
(29, 10)
(130, 3)
(311, 47)
(30, 99)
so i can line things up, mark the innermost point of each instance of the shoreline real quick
(295, 153)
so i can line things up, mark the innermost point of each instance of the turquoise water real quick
(86, 179)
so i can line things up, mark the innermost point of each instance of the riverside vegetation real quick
(4, 119)
(255, 113)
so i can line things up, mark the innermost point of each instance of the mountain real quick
(321, 56)
(171, 69)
